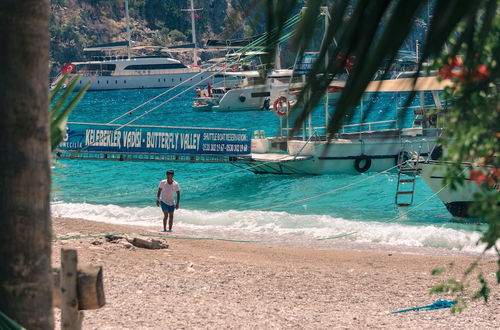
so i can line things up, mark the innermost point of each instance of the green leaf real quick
(437, 271)
(485, 291)
(62, 109)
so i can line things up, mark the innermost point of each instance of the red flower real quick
(491, 178)
(482, 73)
(445, 72)
(347, 60)
(455, 62)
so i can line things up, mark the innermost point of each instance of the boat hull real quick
(457, 201)
(338, 156)
(102, 83)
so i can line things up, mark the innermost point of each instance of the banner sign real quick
(155, 139)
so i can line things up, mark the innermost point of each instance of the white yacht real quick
(141, 72)
(127, 72)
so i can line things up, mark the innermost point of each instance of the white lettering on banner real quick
(132, 139)
(193, 141)
(241, 137)
(102, 138)
(190, 141)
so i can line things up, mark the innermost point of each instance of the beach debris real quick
(438, 304)
(113, 238)
(152, 244)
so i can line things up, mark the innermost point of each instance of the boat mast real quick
(193, 31)
(127, 18)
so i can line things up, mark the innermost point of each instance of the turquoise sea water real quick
(223, 197)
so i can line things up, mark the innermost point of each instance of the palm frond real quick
(62, 108)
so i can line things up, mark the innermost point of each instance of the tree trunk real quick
(25, 228)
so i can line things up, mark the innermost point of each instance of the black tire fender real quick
(367, 163)
(437, 153)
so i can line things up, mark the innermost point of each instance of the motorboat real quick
(252, 94)
(356, 148)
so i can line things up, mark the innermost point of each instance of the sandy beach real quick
(213, 284)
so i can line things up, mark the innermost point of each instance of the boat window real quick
(95, 67)
(261, 94)
(155, 66)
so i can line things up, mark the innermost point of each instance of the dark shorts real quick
(167, 208)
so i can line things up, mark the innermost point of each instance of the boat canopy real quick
(108, 46)
(408, 85)
(231, 43)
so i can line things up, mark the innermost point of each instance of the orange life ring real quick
(234, 67)
(280, 106)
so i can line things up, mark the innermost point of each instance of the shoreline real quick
(339, 241)
(206, 283)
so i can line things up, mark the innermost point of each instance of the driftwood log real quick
(90, 288)
(147, 243)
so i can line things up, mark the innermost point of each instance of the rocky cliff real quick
(76, 24)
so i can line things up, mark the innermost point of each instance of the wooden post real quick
(70, 317)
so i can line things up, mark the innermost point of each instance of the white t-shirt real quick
(168, 191)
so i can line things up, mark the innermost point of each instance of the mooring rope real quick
(129, 112)
(328, 192)
(421, 203)
(102, 169)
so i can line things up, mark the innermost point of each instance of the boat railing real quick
(347, 128)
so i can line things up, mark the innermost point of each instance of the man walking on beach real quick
(165, 199)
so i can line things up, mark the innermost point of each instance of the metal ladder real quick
(407, 176)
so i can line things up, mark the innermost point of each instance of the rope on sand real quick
(160, 236)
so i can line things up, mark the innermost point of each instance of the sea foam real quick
(280, 223)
